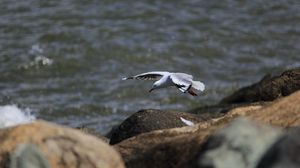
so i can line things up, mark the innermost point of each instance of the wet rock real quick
(268, 89)
(62, 147)
(241, 143)
(180, 147)
(149, 120)
(284, 153)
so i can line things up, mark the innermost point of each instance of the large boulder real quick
(267, 89)
(218, 110)
(150, 120)
(61, 147)
(241, 144)
(92, 132)
(180, 147)
(284, 153)
(169, 148)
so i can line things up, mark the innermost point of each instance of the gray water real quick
(65, 59)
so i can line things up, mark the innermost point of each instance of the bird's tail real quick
(198, 85)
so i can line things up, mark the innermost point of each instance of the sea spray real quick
(38, 58)
(12, 115)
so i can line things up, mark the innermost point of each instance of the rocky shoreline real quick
(255, 127)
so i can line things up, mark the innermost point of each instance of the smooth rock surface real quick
(239, 145)
(149, 120)
(285, 153)
(267, 89)
(28, 156)
(61, 146)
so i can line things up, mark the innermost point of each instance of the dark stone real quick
(168, 148)
(150, 120)
(267, 89)
(284, 153)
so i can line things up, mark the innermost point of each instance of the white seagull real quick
(184, 82)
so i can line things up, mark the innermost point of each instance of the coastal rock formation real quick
(150, 120)
(267, 89)
(241, 143)
(92, 132)
(169, 148)
(181, 147)
(28, 156)
(284, 153)
(258, 94)
(60, 146)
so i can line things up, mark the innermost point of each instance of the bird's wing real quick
(184, 75)
(182, 81)
(155, 75)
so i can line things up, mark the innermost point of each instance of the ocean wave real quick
(12, 115)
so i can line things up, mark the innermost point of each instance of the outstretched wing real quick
(155, 75)
(182, 81)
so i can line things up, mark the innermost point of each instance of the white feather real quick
(198, 85)
(187, 122)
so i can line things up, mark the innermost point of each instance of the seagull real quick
(184, 82)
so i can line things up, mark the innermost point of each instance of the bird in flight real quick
(184, 82)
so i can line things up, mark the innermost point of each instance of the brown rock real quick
(179, 147)
(268, 89)
(92, 132)
(218, 110)
(284, 112)
(62, 147)
(150, 120)
(172, 148)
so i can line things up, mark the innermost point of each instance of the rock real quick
(180, 147)
(28, 156)
(268, 89)
(284, 112)
(93, 132)
(169, 148)
(149, 120)
(284, 153)
(218, 110)
(62, 147)
(241, 143)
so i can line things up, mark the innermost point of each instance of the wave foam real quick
(12, 115)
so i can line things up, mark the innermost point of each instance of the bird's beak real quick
(151, 90)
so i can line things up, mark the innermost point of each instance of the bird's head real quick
(154, 86)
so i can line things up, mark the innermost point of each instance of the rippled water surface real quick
(65, 59)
